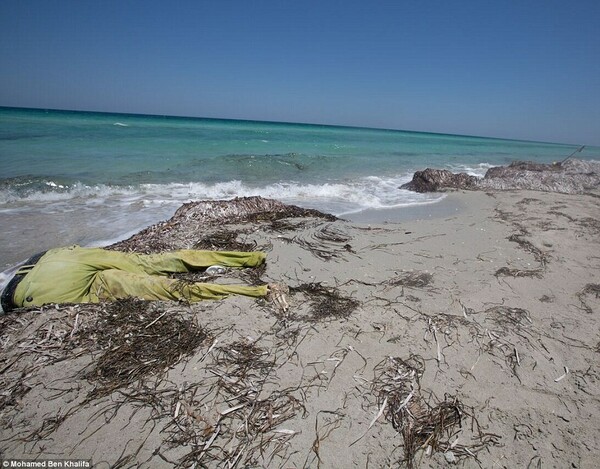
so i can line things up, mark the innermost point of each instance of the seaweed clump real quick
(508, 272)
(137, 340)
(181, 230)
(223, 240)
(326, 303)
(412, 280)
(540, 256)
(422, 426)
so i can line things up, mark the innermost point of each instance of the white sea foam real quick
(53, 184)
(101, 214)
(334, 197)
(473, 170)
(120, 124)
(54, 192)
(337, 197)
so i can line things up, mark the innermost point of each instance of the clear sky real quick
(526, 69)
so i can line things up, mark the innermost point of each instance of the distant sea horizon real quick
(283, 122)
(84, 177)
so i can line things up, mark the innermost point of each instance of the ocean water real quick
(92, 178)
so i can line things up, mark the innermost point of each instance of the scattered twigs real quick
(333, 421)
(503, 330)
(379, 414)
(422, 426)
(234, 418)
(564, 375)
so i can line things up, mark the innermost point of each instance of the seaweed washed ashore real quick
(424, 344)
(571, 176)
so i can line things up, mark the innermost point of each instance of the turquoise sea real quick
(89, 178)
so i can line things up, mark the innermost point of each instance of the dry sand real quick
(470, 340)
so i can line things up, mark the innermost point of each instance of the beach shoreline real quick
(51, 230)
(448, 206)
(488, 310)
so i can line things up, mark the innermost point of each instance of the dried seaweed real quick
(506, 317)
(332, 234)
(332, 421)
(247, 425)
(448, 326)
(137, 340)
(50, 425)
(326, 303)
(282, 225)
(412, 280)
(326, 242)
(241, 364)
(13, 389)
(508, 272)
(422, 426)
(253, 276)
(181, 230)
(589, 289)
(8, 324)
(562, 214)
(497, 333)
(223, 240)
(539, 255)
(397, 381)
(592, 223)
(572, 176)
(527, 201)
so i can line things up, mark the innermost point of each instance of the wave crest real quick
(337, 197)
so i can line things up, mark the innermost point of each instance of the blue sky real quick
(516, 69)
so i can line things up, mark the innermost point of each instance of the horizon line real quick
(173, 116)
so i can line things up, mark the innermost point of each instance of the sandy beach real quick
(469, 339)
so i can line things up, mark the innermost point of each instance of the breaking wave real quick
(337, 197)
(473, 170)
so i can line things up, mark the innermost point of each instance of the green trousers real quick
(89, 275)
